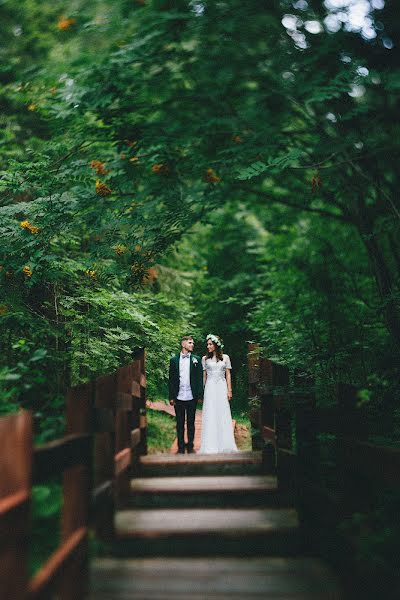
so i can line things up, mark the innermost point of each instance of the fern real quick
(277, 164)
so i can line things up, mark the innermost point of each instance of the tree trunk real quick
(383, 277)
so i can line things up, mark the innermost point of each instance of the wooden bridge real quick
(244, 525)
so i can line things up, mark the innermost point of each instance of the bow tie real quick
(185, 355)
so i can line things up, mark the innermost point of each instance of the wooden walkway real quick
(167, 408)
(208, 527)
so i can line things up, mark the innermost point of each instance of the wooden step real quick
(213, 579)
(161, 465)
(204, 491)
(213, 531)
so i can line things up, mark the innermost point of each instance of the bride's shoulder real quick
(226, 357)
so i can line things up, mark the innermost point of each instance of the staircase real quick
(208, 527)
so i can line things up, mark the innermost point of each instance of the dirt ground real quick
(242, 437)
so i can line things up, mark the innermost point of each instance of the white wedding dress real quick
(216, 425)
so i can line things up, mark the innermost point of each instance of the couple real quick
(191, 378)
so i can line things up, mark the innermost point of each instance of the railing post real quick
(77, 487)
(253, 368)
(15, 497)
(104, 454)
(268, 424)
(307, 446)
(283, 426)
(347, 429)
(142, 409)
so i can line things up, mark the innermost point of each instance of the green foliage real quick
(46, 507)
(161, 431)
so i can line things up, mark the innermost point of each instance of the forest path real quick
(167, 408)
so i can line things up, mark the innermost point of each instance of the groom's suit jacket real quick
(196, 377)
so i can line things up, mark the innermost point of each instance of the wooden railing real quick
(105, 435)
(289, 424)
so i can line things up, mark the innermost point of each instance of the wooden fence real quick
(289, 425)
(105, 435)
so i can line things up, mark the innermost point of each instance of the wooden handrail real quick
(282, 405)
(105, 435)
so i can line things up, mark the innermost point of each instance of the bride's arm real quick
(203, 361)
(229, 383)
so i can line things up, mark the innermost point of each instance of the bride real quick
(216, 426)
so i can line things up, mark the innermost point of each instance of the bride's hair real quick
(218, 345)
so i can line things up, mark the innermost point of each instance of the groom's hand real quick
(172, 402)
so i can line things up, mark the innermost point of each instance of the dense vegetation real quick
(174, 166)
(188, 166)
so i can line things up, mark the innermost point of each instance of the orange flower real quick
(102, 189)
(237, 139)
(27, 271)
(91, 273)
(64, 23)
(27, 225)
(120, 249)
(160, 168)
(211, 176)
(99, 166)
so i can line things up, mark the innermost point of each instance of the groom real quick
(185, 390)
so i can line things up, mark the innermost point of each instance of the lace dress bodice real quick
(216, 370)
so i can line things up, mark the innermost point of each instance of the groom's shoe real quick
(191, 451)
(180, 451)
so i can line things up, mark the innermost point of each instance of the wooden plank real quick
(204, 484)
(377, 463)
(135, 438)
(102, 491)
(106, 388)
(124, 379)
(104, 420)
(47, 579)
(75, 517)
(147, 523)
(214, 578)
(246, 458)
(52, 458)
(193, 531)
(104, 451)
(15, 456)
(79, 409)
(122, 461)
(15, 483)
(125, 401)
(269, 434)
(14, 514)
(136, 389)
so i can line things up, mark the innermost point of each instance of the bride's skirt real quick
(216, 425)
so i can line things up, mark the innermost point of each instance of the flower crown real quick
(215, 340)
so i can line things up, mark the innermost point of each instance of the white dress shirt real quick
(185, 391)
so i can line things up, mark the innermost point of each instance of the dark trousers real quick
(182, 408)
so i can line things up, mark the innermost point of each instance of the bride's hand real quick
(229, 396)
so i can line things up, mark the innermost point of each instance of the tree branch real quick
(319, 211)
